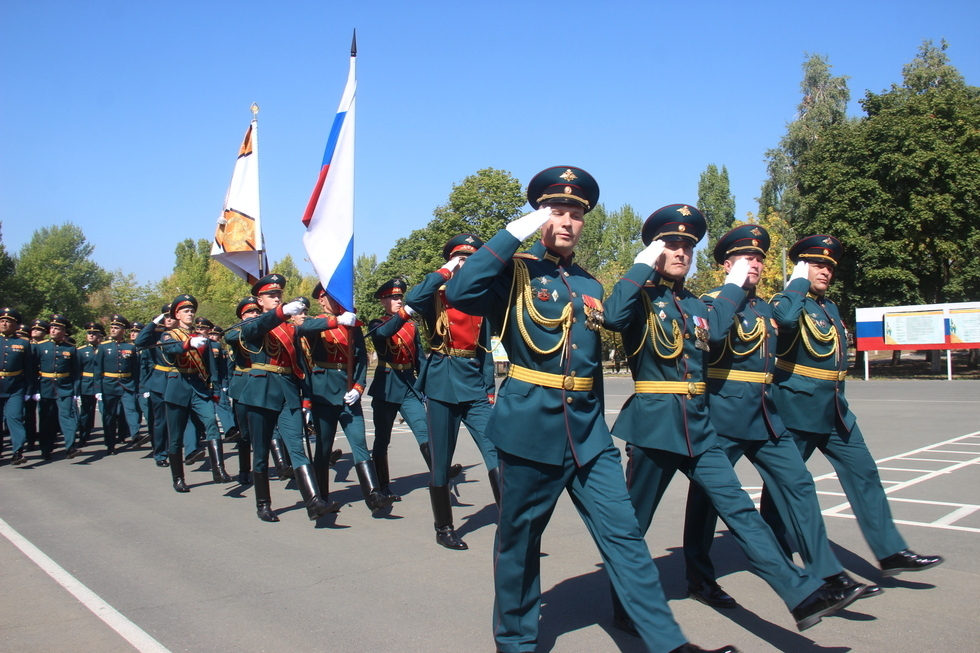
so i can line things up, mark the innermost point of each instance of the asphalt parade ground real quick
(100, 554)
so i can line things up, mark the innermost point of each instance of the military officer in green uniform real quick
(59, 385)
(667, 334)
(226, 415)
(741, 410)
(117, 375)
(142, 409)
(399, 348)
(548, 423)
(87, 353)
(247, 309)
(18, 380)
(38, 331)
(153, 381)
(272, 398)
(811, 365)
(337, 360)
(456, 380)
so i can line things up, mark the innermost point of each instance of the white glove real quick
(78, 401)
(198, 341)
(347, 318)
(36, 397)
(307, 415)
(801, 271)
(652, 252)
(146, 395)
(351, 397)
(410, 310)
(98, 396)
(452, 264)
(28, 397)
(158, 320)
(294, 308)
(526, 225)
(739, 272)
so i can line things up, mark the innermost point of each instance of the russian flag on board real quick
(329, 217)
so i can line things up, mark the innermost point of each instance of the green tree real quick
(124, 295)
(824, 104)
(8, 294)
(901, 189)
(56, 275)
(717, 203)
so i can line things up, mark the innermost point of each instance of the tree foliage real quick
(8, 294)
(901, 189)
(717, 203)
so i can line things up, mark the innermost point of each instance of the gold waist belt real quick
(241, 369)
(184, 370)
(395, 366)
(272, 368)
(559, 381)
(669, 387)
(56, 375)
(736, 375)
(163, 368)
(14, 373)
(88, 374)
(330, 366)
(121, 375)
(458, 353)
(812, 372)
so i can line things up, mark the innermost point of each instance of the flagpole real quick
(259, 253)
(350, 330)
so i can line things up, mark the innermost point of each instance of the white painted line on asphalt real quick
(136, 636)
(957, 515)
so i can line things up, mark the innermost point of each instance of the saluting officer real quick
(59, 385)
(548, 422)
(18, 380)
(87, 353)
(741, 410)
(456, 380)
(811, 365)
(399, 349)
(272, 396)
(117, 375)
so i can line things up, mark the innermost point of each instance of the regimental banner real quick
(932, 326)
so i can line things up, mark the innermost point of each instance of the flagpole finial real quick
(254, 109)
(353, 45)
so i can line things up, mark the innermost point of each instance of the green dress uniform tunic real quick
(59, 383)
(117, 373)
(190, 393)
(456, 378)
(86, 415)
(551, 436)
(222, 363)
(18, 379)
(741, 409)
(667, 333)
(811, 363)
(154, 381)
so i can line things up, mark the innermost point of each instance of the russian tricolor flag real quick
(329, 217)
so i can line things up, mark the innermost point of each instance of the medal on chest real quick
(700, 333)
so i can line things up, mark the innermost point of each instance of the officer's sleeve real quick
(360, 357)
(313, 326)
(32, 369)
(622, 307)
(487, 357)
(76, 374)
(255, 329)
(787, 306)
(721, 311)
(389, 327)
(422, 296)
(149, 335)
(482, 286)
(97, 369)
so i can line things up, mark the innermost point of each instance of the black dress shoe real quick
(144, 440)
(446, 536)
(195, 456)
(18, 458)
(71, 453)
(694, 648)
(908, 561)
(163, 463)
(842, 581)
(710, 593)
(823, 603)
(335, 456)
(180, 485)
(455, 470)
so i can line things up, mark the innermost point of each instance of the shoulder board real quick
(714, 293)
(527, 256)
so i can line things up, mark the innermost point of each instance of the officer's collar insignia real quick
(685, 212)
(568, 176)
(755, 232)
(554, 258)
(664, 281)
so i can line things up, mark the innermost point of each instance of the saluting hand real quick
(739, 272)
(801, 271)
(526, 225)
(651, 253)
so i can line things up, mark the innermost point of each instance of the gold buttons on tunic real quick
(568, 400)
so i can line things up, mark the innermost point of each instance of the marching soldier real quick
(742, 412)
(392, 391)
(811, 365)
(18, 380)
(272, 396)
(116, 375)
(226, 415)
(153, 380)
(548, 422)
(247, 309)
(456, 380)
(87, 353)
(141, 408)
(59, 385)
(38, 333)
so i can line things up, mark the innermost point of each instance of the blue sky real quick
(125, 117)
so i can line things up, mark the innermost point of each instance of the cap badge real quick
(568, 176)
(469, 239)
(755, 231)
(684, 210)
(828, 241)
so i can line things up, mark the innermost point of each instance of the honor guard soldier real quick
(87, 353)
(742, 412)
(667, 334)
(141, 401)
(456, 380)
(59, 384)
(38, 333)
(247, 309)
(548, 423)
(811, 364)
(229, 431)
(337, 360)
(397, 343)
(18, 380)
(153, 381)
(117, 374)
(272, 396)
